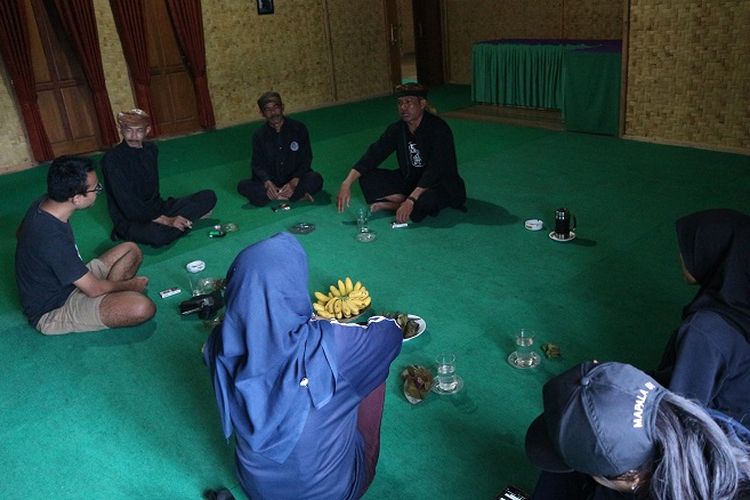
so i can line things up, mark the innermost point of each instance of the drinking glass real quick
(364, 234)
(447, 382)
(195, 271)
(524, 355)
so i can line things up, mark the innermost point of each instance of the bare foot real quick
(383, 205)
(309, 198)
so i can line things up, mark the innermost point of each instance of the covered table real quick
(553, 74)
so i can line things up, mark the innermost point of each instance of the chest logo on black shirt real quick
(415, 156)
(294, 146)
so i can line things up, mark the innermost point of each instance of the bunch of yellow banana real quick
(344, 300)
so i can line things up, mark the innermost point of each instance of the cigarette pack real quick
(169, 292)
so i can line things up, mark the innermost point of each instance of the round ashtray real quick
(195, 266)
(302, 228)
(534, 224)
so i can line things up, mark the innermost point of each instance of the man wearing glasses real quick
(427, 179)
(59, 293)
(131, 178)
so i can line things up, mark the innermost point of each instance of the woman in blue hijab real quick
(303, 397)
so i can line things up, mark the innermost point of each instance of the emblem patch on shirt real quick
(294, 146)
(415, 156)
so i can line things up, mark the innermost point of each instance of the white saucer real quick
(422, 327)
(534, 224)
(554, 236)
(437, 390)
(513, 358)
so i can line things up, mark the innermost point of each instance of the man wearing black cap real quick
(281, 158)
(427, 179)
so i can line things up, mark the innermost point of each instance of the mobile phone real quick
(512, 493)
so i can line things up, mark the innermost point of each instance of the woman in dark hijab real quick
(708, 358)
(303, 397)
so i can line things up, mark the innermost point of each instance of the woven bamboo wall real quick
(689, 72)
(14, 148)
(248, 54)
(291, 51)
(470, 22)
(360, 48)
(113, 60)
(593, 19)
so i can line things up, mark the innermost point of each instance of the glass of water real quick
(524, 355)
(364, 234)
(447, 382)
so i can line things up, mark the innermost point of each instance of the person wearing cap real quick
(59, 292)
(708, 357)
(131, 179)
(282, 156)
(427, 179)
(609, 430)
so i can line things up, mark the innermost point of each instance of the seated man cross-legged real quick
(131, 178)
(59, 293)
(281, 158)
(427, 179)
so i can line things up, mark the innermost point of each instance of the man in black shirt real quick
(427, 179)
(281, 158)
(59, 293)
(131, 178)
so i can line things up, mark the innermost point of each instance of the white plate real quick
(554, 236)
(534, 224)
(422, 327)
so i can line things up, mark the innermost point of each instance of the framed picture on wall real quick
(265, 7)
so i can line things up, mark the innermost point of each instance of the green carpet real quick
(130, 413)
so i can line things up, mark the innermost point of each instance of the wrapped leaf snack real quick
(417, 383)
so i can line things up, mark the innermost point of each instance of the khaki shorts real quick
(80, 313)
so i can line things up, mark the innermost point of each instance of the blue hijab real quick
(270, 363)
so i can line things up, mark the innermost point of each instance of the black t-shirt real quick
(426, 158)
(131, 178)
(280, 156)
(47, 262)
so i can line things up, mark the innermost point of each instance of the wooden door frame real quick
(393, 30)
(393, 37)
(624, 65)
(441, 40)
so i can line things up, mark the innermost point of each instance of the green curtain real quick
(580, 79)
(592, 91)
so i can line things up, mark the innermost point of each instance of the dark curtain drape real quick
(79, 21)
(14, 47)
(131, 25)
(188, 25)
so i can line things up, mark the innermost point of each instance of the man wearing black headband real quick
(427, 179)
